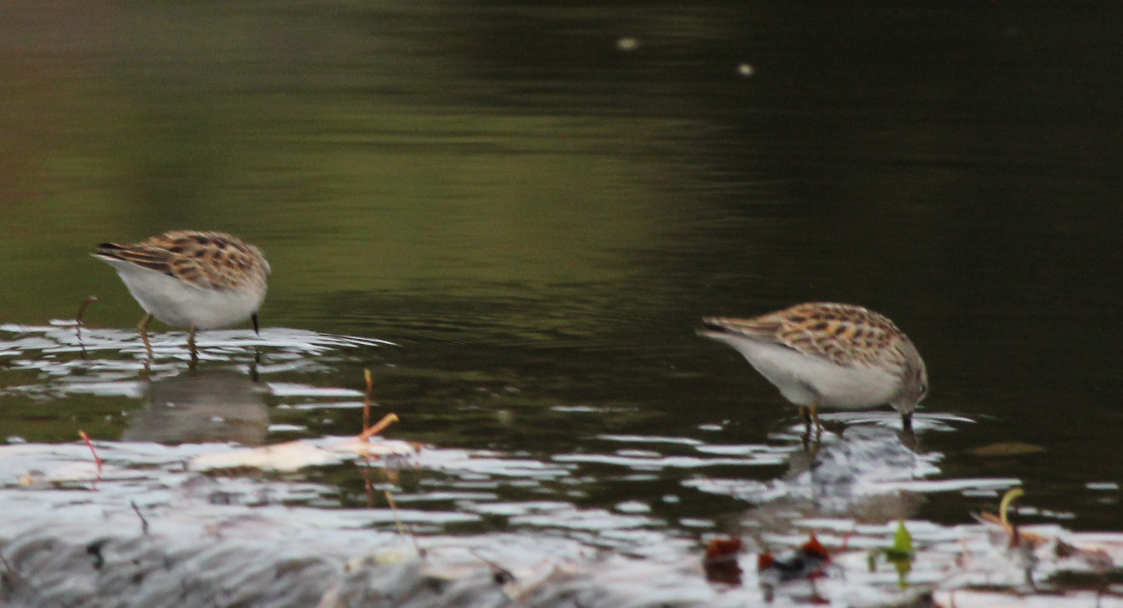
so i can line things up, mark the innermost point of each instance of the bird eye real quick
(923, 389)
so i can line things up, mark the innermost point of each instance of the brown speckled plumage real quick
(844, 334)
(209, 260)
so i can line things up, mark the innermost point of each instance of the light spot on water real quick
(632, 506)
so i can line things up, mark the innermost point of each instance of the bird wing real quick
(208, 260)
(839, 333)
(214, 259)
(136, 254)
(763, 329)
(170, 256)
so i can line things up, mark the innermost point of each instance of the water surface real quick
(535, 204)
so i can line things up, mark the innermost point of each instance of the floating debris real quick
(720, 562)
(1006, 448)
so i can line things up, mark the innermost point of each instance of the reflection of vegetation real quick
(901, 554)
(354, 169)
(38, 422)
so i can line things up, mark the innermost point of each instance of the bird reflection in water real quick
(855, 477)
(208, 406)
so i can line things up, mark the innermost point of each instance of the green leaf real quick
(902, 544)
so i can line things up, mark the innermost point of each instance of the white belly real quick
(806, 380)
(180, 304)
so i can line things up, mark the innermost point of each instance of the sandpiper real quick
(197, 280)
(829, 355)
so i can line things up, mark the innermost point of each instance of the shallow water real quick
(516, 214)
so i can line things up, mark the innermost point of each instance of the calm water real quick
(536, 205)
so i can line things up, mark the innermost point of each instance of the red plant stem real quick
(374, 430)
(366, 400)
(89, 443)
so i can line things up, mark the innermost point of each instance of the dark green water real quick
(538, 203)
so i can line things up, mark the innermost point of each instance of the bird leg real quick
(142, 327)
(809, 415)
(818, 423)
(191, 347)
(256, 348)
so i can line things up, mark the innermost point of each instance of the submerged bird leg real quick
(191, 347)
(142, 327)
(818, 423)
(810, 417)
(256, 348)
